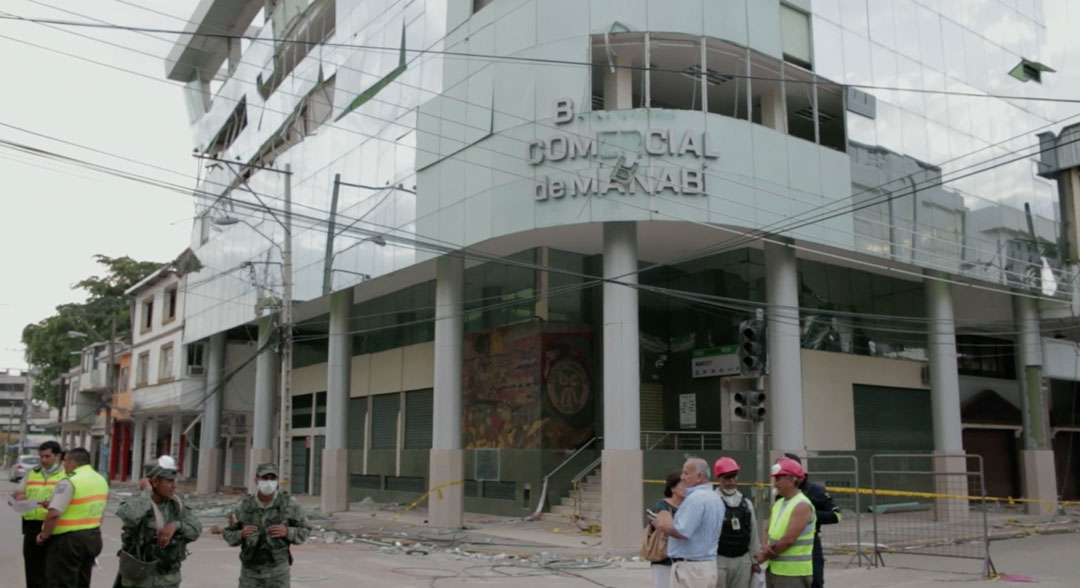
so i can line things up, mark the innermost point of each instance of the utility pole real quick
(106, 438)
(328, 263)
(24, 430)
(285, 440)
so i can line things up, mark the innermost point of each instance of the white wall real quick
(1061, 359)
(393, 370)
(828, 400)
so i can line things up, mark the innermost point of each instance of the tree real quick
(49, 349)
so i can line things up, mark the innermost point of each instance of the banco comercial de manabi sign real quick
(612, 171)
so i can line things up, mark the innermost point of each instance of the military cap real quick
(266, 468)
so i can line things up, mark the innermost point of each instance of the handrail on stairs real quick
(544, 489)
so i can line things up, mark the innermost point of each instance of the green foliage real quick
(49, 348)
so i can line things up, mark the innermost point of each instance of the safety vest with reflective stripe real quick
(39, 488)
(796, 560)
(87, 506)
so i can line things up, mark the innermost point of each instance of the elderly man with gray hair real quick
(695, 529)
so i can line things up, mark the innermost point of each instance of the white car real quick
(23, 466)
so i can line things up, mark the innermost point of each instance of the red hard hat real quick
(788, 467)
(724, 466)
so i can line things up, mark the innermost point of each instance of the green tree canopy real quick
(49, 348)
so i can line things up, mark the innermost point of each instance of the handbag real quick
(654, 548)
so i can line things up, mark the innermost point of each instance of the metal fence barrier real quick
(840, 475)
(929, 505)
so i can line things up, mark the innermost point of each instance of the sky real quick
(56, 216)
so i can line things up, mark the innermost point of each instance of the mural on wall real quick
(527, 389)
(568, 394)
(501, 385)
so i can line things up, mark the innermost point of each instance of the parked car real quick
(23, 467)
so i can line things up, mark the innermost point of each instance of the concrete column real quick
(621, 470)
(174, 435)
(137, 448)
(150, 451)
(619, 85)
(1037, 458)
(267, 366)
(447, 460)
(210, 437)
(945, 401)
(84, 437)
(773, 110)
(335, 457)
(785, 396)
(944, 379)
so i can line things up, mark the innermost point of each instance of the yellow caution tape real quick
(907, 494)
(438, 493)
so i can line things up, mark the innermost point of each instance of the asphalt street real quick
(1049, 559)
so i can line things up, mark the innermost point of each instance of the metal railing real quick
(698, 440)
(547, 478)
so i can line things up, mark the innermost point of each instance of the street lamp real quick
(328, 268)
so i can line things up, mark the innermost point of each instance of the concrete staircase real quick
(581, 506)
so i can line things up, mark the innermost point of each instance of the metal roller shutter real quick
(384, 417)
(418, 415)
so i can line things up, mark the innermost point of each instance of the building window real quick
(228, 133)
(301, 411)
(320, 409)
(194, 361)
(125, 375)
(987, 357)
(165, 367)
(142, 368)
(171, 294)
(357, 418)
(795, 35)
(147, 314)
(477, 5)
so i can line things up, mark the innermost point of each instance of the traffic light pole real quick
(762, 453)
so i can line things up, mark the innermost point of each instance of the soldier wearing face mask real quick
(264, 525)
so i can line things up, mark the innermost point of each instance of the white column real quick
(174, 435)
(944, 380)
(267, 367)
(1037, 458)
(622, 466)
(335, 457)
(945, 401)
(447, 461)
(137, 448)
(210, 436)
(785, 397)
(150, 451)
(619, 85)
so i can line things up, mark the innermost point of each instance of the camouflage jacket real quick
(260, 551)
(139, 536)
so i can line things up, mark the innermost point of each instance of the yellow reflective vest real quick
(796, 560)
(87, 506)
(39, 488)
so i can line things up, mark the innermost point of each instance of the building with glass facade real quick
(522, 228)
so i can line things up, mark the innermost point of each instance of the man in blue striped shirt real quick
(695, 530)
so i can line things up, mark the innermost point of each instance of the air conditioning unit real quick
(195, 370)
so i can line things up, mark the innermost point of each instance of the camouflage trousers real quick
(268, 577)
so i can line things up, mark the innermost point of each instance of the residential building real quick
(168, 386)
(532, 224)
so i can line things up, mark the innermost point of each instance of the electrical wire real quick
(500, 58)
(962, 245)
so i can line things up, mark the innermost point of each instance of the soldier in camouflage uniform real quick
(148, 538)
(264, 525)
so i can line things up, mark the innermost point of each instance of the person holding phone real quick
(674, 492)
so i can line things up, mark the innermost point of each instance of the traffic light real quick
(752, 351)
(749, 405)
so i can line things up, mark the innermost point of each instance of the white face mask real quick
(267, 487)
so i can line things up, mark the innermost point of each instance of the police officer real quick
(157, 526)
(38, 485)
(264, 525)
(72, 527)
(827, 514)
(739, 538)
